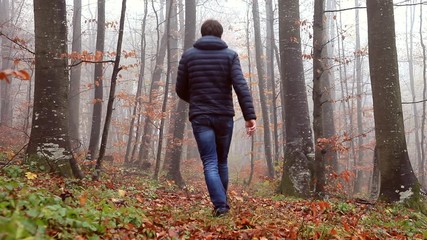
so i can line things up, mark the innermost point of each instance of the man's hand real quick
(250, 127)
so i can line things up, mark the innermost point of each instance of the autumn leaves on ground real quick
(127, 205)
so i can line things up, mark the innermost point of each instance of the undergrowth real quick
(36, 205)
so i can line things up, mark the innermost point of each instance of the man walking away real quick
(207, 73)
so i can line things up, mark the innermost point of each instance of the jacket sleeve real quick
(182, 86)
(242, 90)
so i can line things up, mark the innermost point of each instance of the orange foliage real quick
(21, 74)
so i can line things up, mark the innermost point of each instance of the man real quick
(206, 75)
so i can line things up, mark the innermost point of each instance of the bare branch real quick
(87, 61)
(17, 43)
(354, 8)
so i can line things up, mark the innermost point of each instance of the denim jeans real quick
(213, 136)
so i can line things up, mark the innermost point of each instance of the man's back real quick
(211, 69)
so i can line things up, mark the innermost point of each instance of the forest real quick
(96, 144)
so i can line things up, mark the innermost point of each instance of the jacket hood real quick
(210, 43)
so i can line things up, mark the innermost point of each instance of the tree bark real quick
(135, 115)
(262, 89)
(319, 43)
(75, 77)
(176, 148)
(270, 43)
(116, 70)
(49, 142)
(297, 167)
(358, 185)
(98, 85)
(398, 181)
(6, 63)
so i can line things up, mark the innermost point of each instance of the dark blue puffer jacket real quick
(206, 75)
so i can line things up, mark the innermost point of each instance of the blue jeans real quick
(213, 136)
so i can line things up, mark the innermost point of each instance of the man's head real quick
(211, 27)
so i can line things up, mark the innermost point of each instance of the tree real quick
(75, 76)
(296, 178)
(358, 76)
(174, 151)
(319, 91)
(114, 75)
(98, 84)
(271, 77)
(172, 46)
(398, 181)
(49, 140)
(262, 89)
(6, 63)
(138, 103)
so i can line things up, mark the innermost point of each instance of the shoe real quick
(220, 212)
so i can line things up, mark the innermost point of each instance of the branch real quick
(410, 4)
(344, 9)
(354, 8)
(88, 61)
(17, 43)
(421, 101)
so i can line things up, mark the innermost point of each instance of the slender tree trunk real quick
(153, 106)
(262, 89)
(116, 70)
(329, 124)
(135, 114)
(6, 63)
(297, 166)
(319, 43)
(358, 185)
(271, 76)
(248, 49)
(176, 149)
(75, 77)
(424, 69)
(171, 11)
(49, 142)
(98, 85)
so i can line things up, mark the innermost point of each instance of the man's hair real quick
(211, 27)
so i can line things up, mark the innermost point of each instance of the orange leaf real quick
(82, 199)
(22, 74)
(3, 76)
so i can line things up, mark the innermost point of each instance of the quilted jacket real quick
(207, 73)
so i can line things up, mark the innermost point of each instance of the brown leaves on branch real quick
(21, 74)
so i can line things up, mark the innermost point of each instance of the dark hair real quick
(211, 27)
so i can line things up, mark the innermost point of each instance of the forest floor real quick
(126, 205)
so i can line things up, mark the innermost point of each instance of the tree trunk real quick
(398, 181)
(98, 85)
(138, 105)
(262, 89)
(49, 141)
(424, 70)
(153, 106)
(171, 43)
(176, 148)
(6, 63)
(271, 76)
(358, 185)
(75, 77)
(248, 49)
(329, 123)
(297, 167)
(319, 75)
(116, 70)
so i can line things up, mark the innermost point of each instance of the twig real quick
(354, 8)
(14, 156)
(88, 61)
(17, 43)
